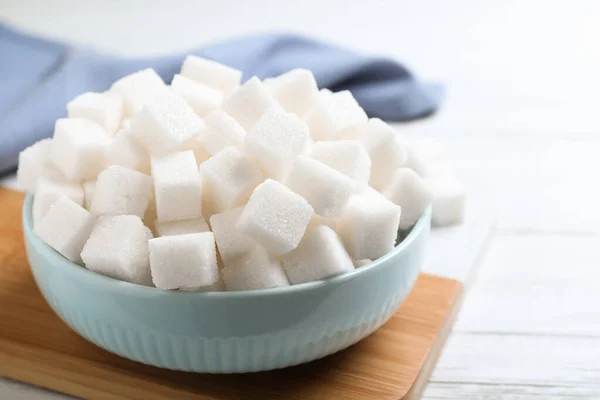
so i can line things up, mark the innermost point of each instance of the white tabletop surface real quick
(522, 126)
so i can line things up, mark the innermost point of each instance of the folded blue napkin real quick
(38, 77)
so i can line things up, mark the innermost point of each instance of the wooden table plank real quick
(546, 284)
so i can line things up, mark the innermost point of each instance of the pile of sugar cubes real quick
(209, 185)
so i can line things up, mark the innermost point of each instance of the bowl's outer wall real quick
(213, 333)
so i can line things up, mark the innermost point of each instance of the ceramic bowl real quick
(227, 332)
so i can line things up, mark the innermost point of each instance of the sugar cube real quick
(408, 190)
(325, 93)
(66, 227)
(181, 227)
(228, 179)
(324, 188)
(121, 191)
(250, 102)
(183, 260)
(47, 191)
(200, 153)
(318, 220)
(105, 109)
(118, 247)
(165, 123)
(255, 270)
(79, 148)
(449, 201)
(218, 286)
(126, 152)
(211, 73)
(429, 159)
(319, 255)
(137, 89)
(350, 157)
(295, 90)
(368, 228)
(89, 187)
(274, 142)
(275, 217)
(330, 114)
(361, 263)
(230, 243)
(385, 151)
(203, 99)
(221, 131)
(177, 187)
(34, 163)
(150, 214)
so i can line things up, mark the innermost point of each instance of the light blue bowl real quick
(226, 332)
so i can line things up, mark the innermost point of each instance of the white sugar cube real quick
(218, 286)
(118, 247)
(89, 187)
(449, 201)
(228, 179)
(318, 220)
(325, 93)
(295, 90)
(121, 191)
(200, 152)
(361, 263)
(137, 89)
(408, 190)
(211, 73)
(182, 227)
(47, 191)
(330, 114)
(203, 99)
(177, 187)
(183, 261)
(34, 163)
(150, 214)
(66, 227)
(79, 148)
(369, 226)
(165, 123)
(385, 151)
(105, 109)
(325, 189)
(250, 102)
(274, 142)
(230, 243)
(350, 157)
(429, 159)
(126, 152)
(319, 255)
(275, 217)
(221, 131)
(255, 270)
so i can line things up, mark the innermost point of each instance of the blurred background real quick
(520, 121)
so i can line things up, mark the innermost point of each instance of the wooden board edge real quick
(418, 387)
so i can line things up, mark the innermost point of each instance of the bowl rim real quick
(111, 284)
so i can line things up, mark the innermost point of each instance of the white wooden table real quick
(522, 125)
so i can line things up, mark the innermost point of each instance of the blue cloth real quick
(38, 77)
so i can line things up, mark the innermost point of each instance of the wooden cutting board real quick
(38, 348)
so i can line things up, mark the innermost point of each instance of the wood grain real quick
(37, 347)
